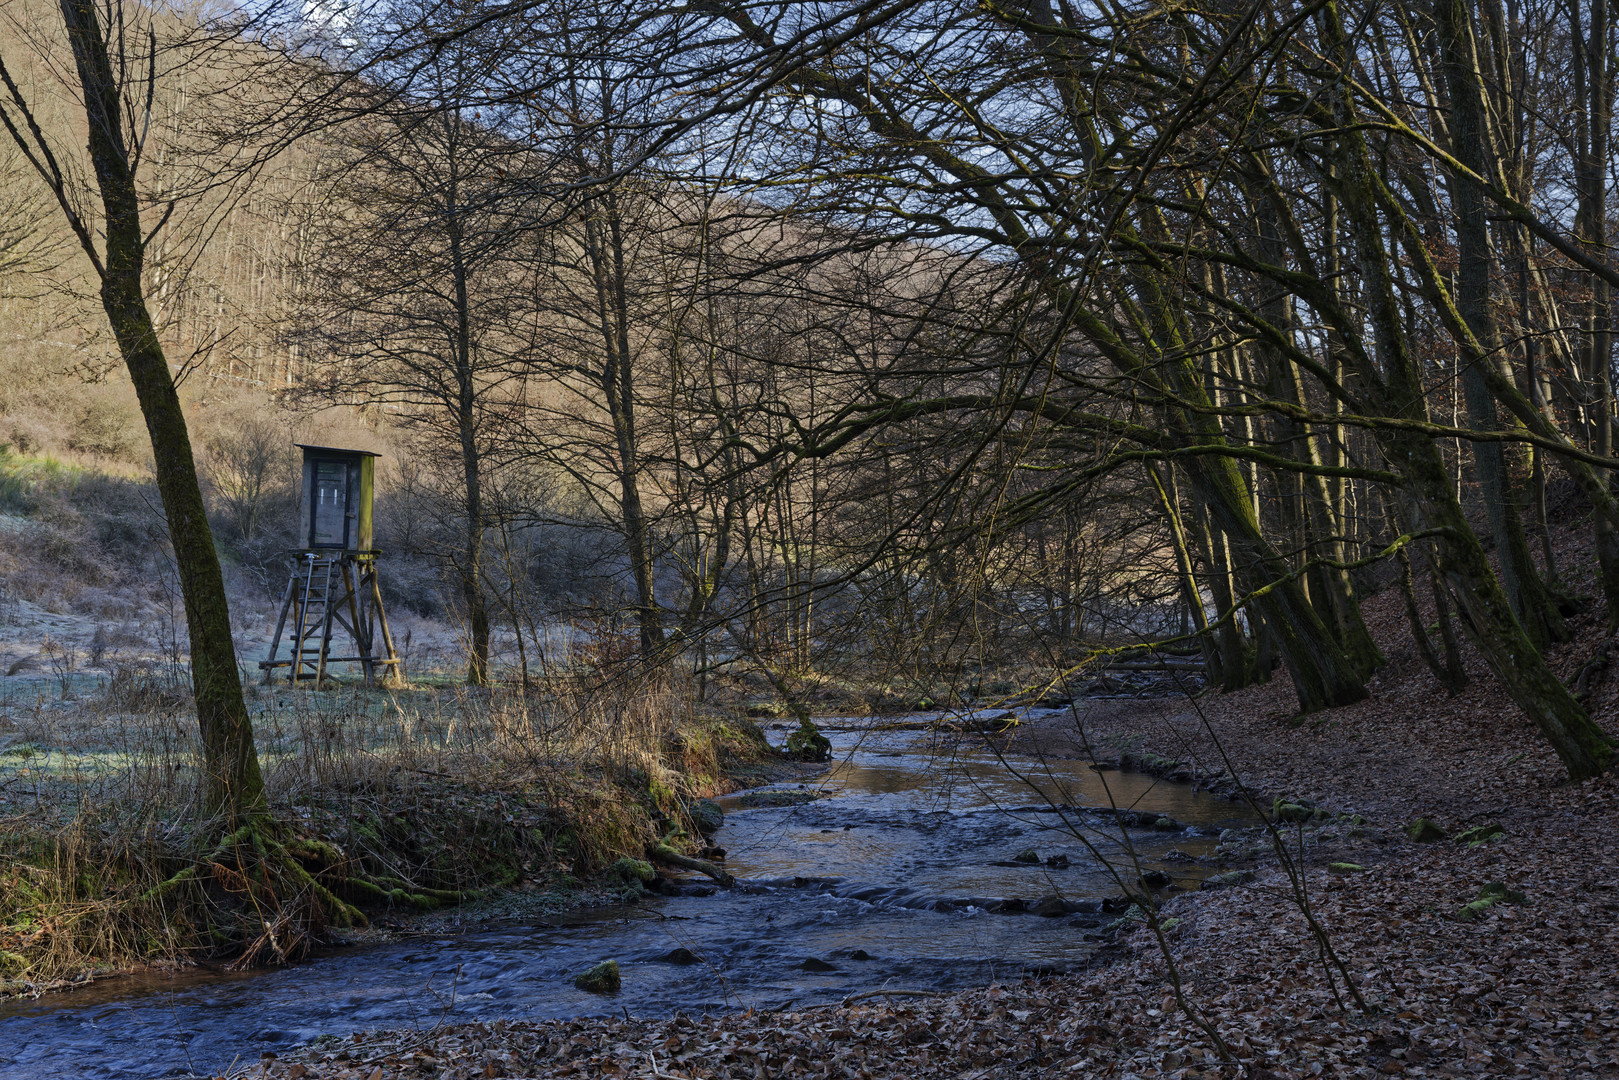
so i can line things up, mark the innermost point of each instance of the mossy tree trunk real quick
(233, 782)
(1532, 602)
(1394, 388)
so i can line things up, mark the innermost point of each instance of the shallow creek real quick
(902, 876)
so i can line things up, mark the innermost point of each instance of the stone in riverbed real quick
(683, 957)
(1057, 862)
(601, 979)
(707, 816)
(1027, 855)
(777, 797)
(1053, 906)
(807, 743)
(1154, 879)
(817, 965)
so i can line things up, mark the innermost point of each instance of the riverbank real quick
(498, 805)
(1488, 955)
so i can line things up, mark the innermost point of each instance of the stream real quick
(903, 875)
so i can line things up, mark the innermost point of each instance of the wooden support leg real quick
(362, 636)
(281, 622)
(397, 667)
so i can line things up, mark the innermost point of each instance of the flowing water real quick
(903, 875)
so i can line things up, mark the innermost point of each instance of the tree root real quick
(263, 861)
(667, 855)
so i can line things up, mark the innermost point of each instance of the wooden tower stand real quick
(334, 575)
(327, 590)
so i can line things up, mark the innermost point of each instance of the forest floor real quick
(1453, 982)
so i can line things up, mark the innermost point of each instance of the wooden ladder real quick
(326, 590)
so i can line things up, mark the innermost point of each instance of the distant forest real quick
(767, 335)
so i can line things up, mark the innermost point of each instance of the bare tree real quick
(115, 58)
(418, 300)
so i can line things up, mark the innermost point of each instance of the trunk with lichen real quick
(232, 782)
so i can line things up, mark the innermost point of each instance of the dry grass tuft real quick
(435, 793)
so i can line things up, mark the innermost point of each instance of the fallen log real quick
(667, 855)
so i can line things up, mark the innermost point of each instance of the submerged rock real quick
(601, 979)
(777, 797)
(683, 957)
(817, 965)
(1057, 862)
(1027, 855)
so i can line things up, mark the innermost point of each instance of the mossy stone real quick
(1478, 834)
(808, 744)
(707, 815)
(1490, 894)
(636, 870)
(1293, 812)
(1228, 879)
(1498, 891)
(1424, 831)
(601, 979)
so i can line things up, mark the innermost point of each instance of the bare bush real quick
(249, 468)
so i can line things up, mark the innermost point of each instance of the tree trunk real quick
(233, 785)
(471, 569)
(606, 243)
(1190, 594)
(1581, 745)
(1593, 79)
(1470, 138)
